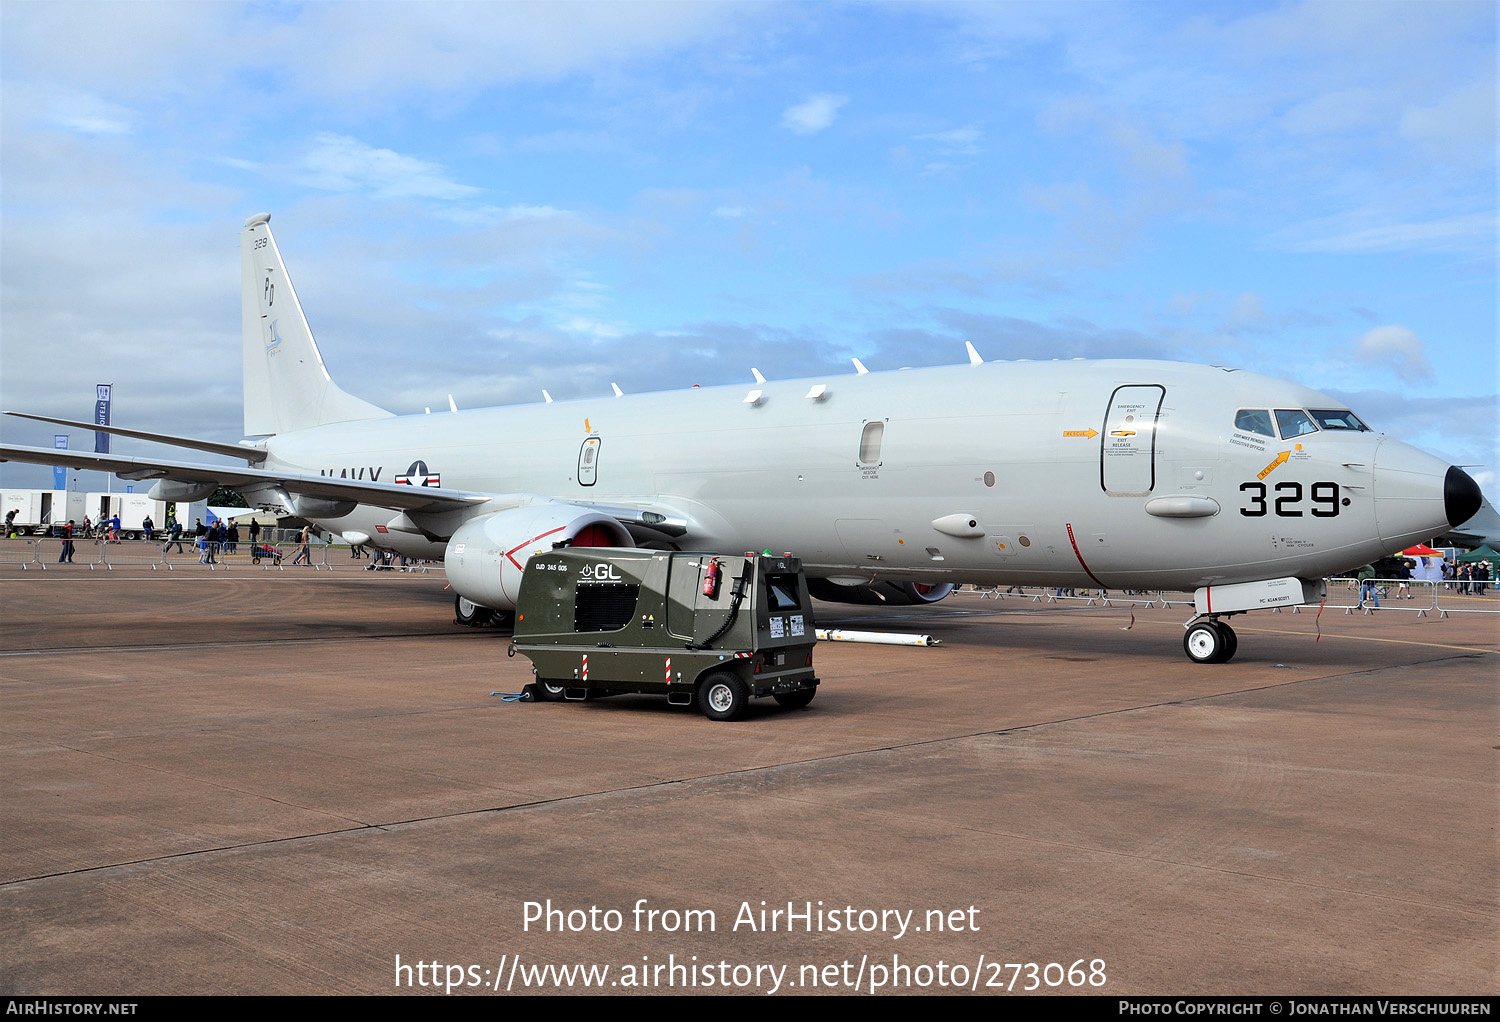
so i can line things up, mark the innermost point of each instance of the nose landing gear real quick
(1210, 641)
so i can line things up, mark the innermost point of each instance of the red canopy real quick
(1420, 550)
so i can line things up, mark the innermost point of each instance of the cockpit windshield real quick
(1254, 420)
(1294, 422)
(1338, 418)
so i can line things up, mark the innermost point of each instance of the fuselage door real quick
(588, 462)
(1127, 459)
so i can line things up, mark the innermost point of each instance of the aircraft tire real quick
(1231, 642)
(1205, 643)
(469, 613)
(723, 696)
(549, 691)
(795, 700)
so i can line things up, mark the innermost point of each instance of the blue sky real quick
(488, 199)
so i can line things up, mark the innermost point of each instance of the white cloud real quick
(338, 163)
(1398, 348)
(1460, 124)
(813, 114)
(1362, 231)
(958, 141)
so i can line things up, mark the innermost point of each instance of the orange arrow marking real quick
(1081, 432)
(1280, 460)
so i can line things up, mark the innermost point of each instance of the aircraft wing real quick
(422, 499)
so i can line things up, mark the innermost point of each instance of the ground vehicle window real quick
(605, 607)
(783, 591)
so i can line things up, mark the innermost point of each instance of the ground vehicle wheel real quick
(470, 613)
(722, 696)
(549, 691)
(796, 700)
(1231, 642)
(1204, 643)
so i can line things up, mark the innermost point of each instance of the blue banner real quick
(59, 473)
(101, 416)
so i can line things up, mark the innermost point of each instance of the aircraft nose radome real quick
(1411, 490)
(1461, 496)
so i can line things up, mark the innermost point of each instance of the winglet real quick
(756, 373)
(616, 388)
(859, 367)
(546, 396)
(974, 358)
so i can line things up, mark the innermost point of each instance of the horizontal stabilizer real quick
(253, 455)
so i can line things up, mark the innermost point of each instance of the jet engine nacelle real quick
(173, 490)
(486, 555)
(879, 593)
(316, 507)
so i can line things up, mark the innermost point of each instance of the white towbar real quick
(886, 638)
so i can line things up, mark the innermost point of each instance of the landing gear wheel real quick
(723, 696)
(470, 613)
(1231, 642)
(548, 691)
(796, 700)
(1206, 643)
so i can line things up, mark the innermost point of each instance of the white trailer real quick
(134, 507)
(36, 510)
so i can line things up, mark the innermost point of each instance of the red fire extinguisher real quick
(711, 580)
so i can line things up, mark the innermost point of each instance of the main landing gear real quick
(1210, 641)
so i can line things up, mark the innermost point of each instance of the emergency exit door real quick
(1127, 455)
(588, 462)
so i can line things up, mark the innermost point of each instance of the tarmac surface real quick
(299, 782)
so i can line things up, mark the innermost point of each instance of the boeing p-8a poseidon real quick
(1115, 474)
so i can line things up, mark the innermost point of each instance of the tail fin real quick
(287, 386)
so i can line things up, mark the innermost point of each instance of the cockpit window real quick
(1294, 422)
(1254, 420)
(1338, 418)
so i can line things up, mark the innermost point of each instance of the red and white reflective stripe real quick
(585, 667)
(669, 670)
(741, 656)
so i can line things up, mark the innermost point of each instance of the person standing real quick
(304, 556)
(66, 557)
(1367, 589)
(148, 528)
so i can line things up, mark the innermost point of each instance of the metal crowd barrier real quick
(1421, 596)
(1087, 597)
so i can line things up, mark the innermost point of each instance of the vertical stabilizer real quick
(287, 386)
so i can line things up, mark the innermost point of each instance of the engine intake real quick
(486, 555)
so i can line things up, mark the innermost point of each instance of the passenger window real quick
(1294, 422)
(1254, 420)
(869, 443)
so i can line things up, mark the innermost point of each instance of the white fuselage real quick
(1054, 462)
